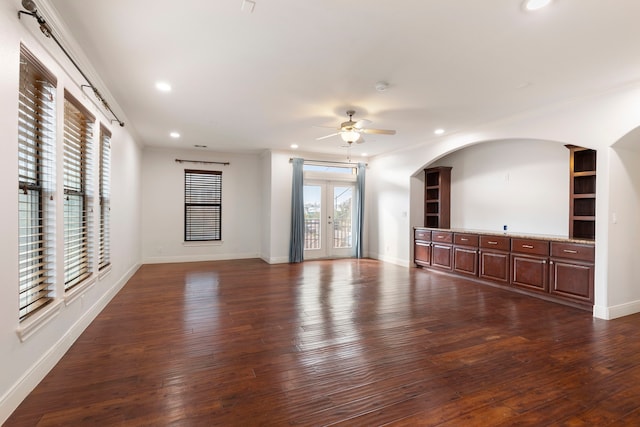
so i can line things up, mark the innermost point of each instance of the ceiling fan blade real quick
(360, 124)
(379, 131)
(360, 139)
(327, 136)
(325, 127)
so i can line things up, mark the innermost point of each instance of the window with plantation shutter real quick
(36, 181)
(202, 205)
(78, 250)
(104, 253)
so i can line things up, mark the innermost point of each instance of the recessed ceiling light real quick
(535, 4)
(438, 131)
(364, 154)
(163, 86)
(294, 146)
(174, 135)
(382, 86)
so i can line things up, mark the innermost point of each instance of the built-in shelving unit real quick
(437, 197)
(582, 193)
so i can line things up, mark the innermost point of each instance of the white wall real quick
(163, 206)
(280, 208)
(523, 184)
(24, 363)
(624, 229)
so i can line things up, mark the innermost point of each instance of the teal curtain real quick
(359, 231)
(296, 245)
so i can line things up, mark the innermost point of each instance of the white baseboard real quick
(391, 260)
(32, 377)
(196, 258)
(275, 260)
(616, 311)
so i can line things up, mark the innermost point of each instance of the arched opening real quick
(522, 184)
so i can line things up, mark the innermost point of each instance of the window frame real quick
(104, 196)
(78, 189)
(202, 205)
(36, 181)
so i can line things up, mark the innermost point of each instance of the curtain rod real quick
(327, 161)
(203, 162)
(46, 30)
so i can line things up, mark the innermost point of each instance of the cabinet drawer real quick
(495, 242)
(442, 236)
(424, 235)
(530, 246)
(465, 239)
(573, 251)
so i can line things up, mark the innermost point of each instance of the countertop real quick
(516, 235)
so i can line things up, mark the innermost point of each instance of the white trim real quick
(104, 272)
(275, 260)
(329, 176)
(392, 260)
(197, 258)
(616, 311)
(196, 244)
(33, 323)
(77, 291)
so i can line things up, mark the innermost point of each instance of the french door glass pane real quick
(312, 211)
(342, 217)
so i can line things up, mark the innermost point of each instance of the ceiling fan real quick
(351, 131)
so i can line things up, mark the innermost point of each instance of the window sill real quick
(198, 244)
(38, 320)
(78, 290)
(104, 272)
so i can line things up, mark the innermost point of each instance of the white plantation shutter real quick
(36, 180)
(78, 248)
(104, 250)
(202, 205)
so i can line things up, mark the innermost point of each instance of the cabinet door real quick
(494, 266)
(529, 272)
(572, 279)
(422, 253)
(465, 260)
(441, 256)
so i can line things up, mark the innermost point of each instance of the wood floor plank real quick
(342, 342)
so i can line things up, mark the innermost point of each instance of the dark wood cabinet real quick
(529, 272)
(494, 258)
(422, 247)
(572, 279)
(465, 253)
(582, 193)
(529, 264)
(572, 270)
(557, 270)
(442, 249)
(437, 197)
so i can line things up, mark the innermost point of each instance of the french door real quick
(329, 209)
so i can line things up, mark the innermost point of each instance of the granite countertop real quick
(516, 235)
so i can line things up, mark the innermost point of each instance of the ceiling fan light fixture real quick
(350, 136)
(531, 5)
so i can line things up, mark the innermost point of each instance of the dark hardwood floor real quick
(350, 342)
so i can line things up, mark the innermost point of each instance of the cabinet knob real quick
(569, 251)
(492, 243)
(527, 246)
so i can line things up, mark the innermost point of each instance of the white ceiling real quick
(262, 80)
